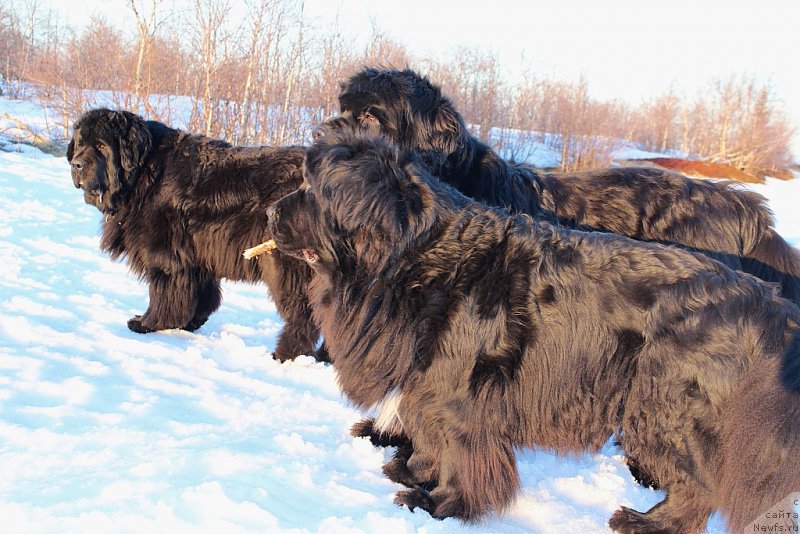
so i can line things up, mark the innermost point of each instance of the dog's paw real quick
(397, 471)
(640, 474)
(321, 354)
(364, 428)
(281, 356)
(286, 352)
(627, 521)
(414, 498)
(135, 324)
(194, 324)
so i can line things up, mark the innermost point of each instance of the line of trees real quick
(262, 72)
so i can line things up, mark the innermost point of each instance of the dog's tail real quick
(760, 445)
(765, 253)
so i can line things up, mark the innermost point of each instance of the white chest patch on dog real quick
(388, 419)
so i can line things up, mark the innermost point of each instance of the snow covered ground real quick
(105, 430)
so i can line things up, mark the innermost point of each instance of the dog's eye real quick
(368, 119)
(100, 146)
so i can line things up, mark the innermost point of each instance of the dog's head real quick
(405, 107)
(362, 196)
(107, 152)
(300, 231)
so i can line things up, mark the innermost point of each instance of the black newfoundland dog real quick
(181, 209)
(647, 204)
(477, 332)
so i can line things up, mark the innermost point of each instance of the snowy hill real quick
(105, 430)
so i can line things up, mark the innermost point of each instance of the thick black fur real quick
(181, 209)
(725, 223)
(647, 204)
(497, 332)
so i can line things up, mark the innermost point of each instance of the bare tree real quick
(335, 59)
(383, 50)
(265, 74)
(257, 13)
(147, 24)
(11, 39)
(737, 121)
(527, 119)
(581, 128)
(208, 38)
(656, 123)
(294, 72)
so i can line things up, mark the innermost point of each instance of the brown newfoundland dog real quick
(647, 204)
(181, 209)
(477, 332)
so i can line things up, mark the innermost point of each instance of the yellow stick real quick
(267, 246)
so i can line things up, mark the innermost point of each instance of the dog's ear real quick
(434, 119)
(70, 149)
(136, 143)
(398, 195)
(368, 183)
(416, 197)
(394, 208)
(447, 129)
(132, 142)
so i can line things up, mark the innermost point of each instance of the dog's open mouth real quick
(93, 196)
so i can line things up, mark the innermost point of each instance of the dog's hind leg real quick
(684, 510)
(299, 334)
(640, 474)
(397, 469)
(287, 280)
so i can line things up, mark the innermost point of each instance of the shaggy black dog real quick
(477, 332)
(647, 204)
(181, 209)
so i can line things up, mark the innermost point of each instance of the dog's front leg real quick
(476, 475)
(412, 467)
(208, 297)
(173, 301)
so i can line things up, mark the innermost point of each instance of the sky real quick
(626, 49)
